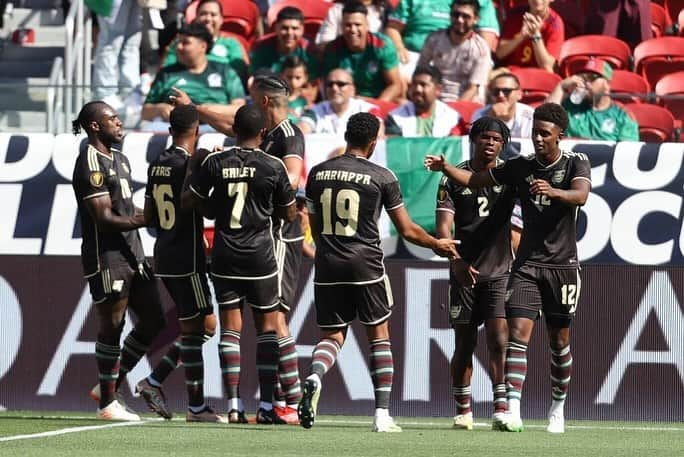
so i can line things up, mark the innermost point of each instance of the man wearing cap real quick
(593, 114)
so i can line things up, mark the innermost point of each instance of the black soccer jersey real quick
(549, 232)
(247, 186)
(285, 140)
(482, 220)
(97, 174)
(345, 196)
(179, 249)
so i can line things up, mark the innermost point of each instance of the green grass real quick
(332, 436)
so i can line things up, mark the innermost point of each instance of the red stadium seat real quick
(384, 107)
(660, 20)
(670, 92)
(536, 84)
(674, 8)
(466, 110)
(656, 124)
(657, 57)
(628, 87)
(314, 13)
(576, 51)
(239, 17)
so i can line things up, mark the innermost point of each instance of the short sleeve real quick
(427, 53)
(629, 129)
(487, 17)
(171, 56)
(158, 89)
(444, 201)
(200, 181)
(401, 12)
(391, 193)
(388, 55)
(294, 146)
(90, 178)
(555, 37)
(310, 205)
(283, 194)
(582, 167)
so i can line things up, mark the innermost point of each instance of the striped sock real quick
(133, 350)
(561, 370)
(462, 396)
(500, 404)
(229, 355)
(516, 369)
(267, 364)
(324, 355)
(382, 371)
(168, 363)
(107, 357)
(191, 354)
(288, 370)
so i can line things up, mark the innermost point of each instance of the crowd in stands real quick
(424, 67)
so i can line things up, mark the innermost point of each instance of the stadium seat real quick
(670, 92)
(239, 17)
(576, 51)
(657, 57)
(660, 20)
(466, 110)
(656, 124)
(536, 84)
(674, 8)
(314, 13)
(628, 87)
(384, 107)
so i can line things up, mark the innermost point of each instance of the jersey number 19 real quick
(346, 212)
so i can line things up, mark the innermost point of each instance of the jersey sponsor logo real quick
(497, 189)
(608, 125)
(219, 50)
(214, 80)
(558, 176)
(467, 191)
(96, 179)
(181, 82)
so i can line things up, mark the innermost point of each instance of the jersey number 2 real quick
(346, 209)
(165, 209)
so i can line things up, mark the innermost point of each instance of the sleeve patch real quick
(96, 179)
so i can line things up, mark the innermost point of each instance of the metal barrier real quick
(55, 94)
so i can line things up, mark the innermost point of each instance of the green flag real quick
(100, 7)
(419, 186)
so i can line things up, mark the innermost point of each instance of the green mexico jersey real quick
(366, 66)
(264, 54)
(225, 50)
(612, 124)
(218, 83)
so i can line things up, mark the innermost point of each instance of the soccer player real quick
(249, 189)
(551, 185)
(112, 255)
(180, 261)
(345, 196)
(285, 141)
(482, 222)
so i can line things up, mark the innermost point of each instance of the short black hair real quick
(362, 129)
(271, 84)
(184, 118)
(290, 12)
(487, 124)
(249, 121)
(429, 70)
(293, 62)
(552, 112)
(354, 6)
(198, 30)
(472, 3)
(218, 2)
(89, 113)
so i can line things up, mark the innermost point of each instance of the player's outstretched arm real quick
(458, 175)
(412, 232)
(220, 117)
(100, 208)
(575, 196)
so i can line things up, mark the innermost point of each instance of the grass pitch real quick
(78, 434)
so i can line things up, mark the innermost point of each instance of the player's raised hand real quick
(446, 247)
(179, 97)
(434, 163)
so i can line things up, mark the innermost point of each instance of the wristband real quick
(536, 37)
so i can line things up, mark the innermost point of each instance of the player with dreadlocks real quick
(551, 185)
(481, 219)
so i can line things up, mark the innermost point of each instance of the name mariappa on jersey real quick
(340, 175)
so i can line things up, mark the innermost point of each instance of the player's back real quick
(247, 186)
(179, 249)
(345, 196)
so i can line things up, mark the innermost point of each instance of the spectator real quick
(371, 58)
(226, 50)
(331, 116)
(423, 115)
(272, 50)
(332, 25)
(463, 57)
(294, 73)
(203, 81)
(532, 37)
(504, 94)
(116, 69)
(628, 20)
(593, 114)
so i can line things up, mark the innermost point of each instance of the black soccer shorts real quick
(476, 305)
(337, 305)
(554, 292)
(112, 282)
(289, 259)
(190, 294)
(260, 294)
